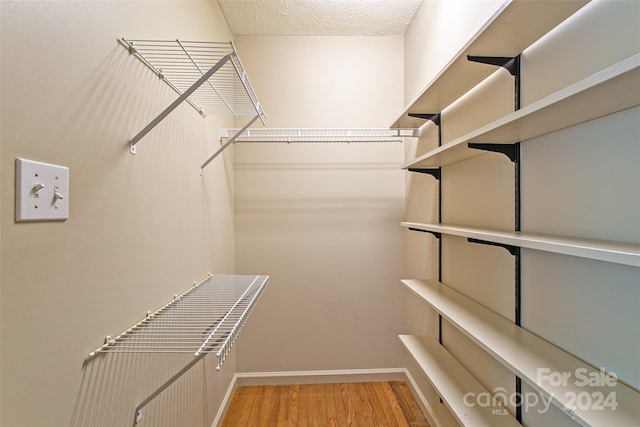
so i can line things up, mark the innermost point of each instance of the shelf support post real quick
(178, 101)
(515, 251)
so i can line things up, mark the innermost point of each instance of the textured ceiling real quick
(319, 17)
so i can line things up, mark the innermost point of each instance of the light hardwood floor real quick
(370, 404)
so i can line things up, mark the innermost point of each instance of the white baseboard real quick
(318, 377)
(325, 376)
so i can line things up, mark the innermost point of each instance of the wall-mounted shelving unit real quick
(598, 95)
(207, 75)
(524, 353)
(206, 319)
(453, 382)
(513, 28)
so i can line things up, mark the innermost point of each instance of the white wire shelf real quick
(181, 63)
(205, 319)
(207, 75)
(321, 135)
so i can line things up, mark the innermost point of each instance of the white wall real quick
(322, 219)
(141, 228)
(438, 30)
(581, 181)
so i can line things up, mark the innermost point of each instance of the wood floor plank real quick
(330, 404)
(267, 407)
(341, 408)
(317, 407)
(394, 406)
(374, 404)
(385, 405)
(294, 407)
(410, 407)
(380, 417)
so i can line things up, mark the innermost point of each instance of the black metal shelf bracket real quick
(512, 151)
(509, 63)
(433, 117)
(434, 172)
(513, 250)
(434, 233)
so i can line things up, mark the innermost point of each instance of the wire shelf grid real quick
(181, 63)
(320, 135)
(205, 319)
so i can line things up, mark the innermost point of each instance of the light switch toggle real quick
(56, 193)
(37, 187)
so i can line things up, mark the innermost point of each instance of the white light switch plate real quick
(42, 191)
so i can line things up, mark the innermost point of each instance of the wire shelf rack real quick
(205, 319)
(320, 135)
(207, 75)
(181, 63)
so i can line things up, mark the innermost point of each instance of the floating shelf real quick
(453, 382)
(513, 28)
(205, 319)
(606, 92)
(615, 252)
(531, 358)
(321, 135)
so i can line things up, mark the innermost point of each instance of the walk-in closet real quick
(335, 213)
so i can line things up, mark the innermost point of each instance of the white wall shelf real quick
(532, 358)
(615, 252)
(514, 27)
(606, 92)
(453, 382)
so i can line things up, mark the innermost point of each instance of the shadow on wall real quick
(117, 101)
(114, 384)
